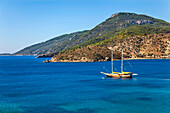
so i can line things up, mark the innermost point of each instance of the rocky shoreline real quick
(52, 60)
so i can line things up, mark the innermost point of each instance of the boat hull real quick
(129, 75)
(113, 75)
(118, 75)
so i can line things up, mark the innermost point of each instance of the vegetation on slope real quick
(85, 54)
(120, 24)
(51, 46)
(138, 46)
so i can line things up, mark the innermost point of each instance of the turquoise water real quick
(28, 85)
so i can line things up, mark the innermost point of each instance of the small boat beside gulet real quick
(121, 74)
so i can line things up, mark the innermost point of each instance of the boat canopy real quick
(115, 72)
(125, 72)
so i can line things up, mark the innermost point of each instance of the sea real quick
(27, 85)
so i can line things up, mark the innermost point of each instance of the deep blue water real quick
(28, 85)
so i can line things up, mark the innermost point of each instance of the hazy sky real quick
(26, 22)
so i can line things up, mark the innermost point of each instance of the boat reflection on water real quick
(116, 78)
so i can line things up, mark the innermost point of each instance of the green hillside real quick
(125, 24)
(51, 46)
(119, 24)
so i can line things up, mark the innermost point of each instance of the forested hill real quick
(119, 24)
(51, 46)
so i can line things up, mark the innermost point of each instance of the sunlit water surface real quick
(28, 85)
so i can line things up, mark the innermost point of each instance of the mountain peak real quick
(122, 23)
(114, 15)
(122, 13)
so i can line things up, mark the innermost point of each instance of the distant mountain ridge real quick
(119, 24)
(51, 46)
(5, 54)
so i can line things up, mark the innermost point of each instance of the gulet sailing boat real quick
(118, 74)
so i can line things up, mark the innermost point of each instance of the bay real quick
(28, 85)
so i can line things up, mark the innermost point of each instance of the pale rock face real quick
(84, 59)
(139, 22)
(53, 59)
(106, 58)
(114, 15)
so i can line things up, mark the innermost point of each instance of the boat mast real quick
(122, 62)
(112, 61)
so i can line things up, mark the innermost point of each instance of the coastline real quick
(48, 61)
